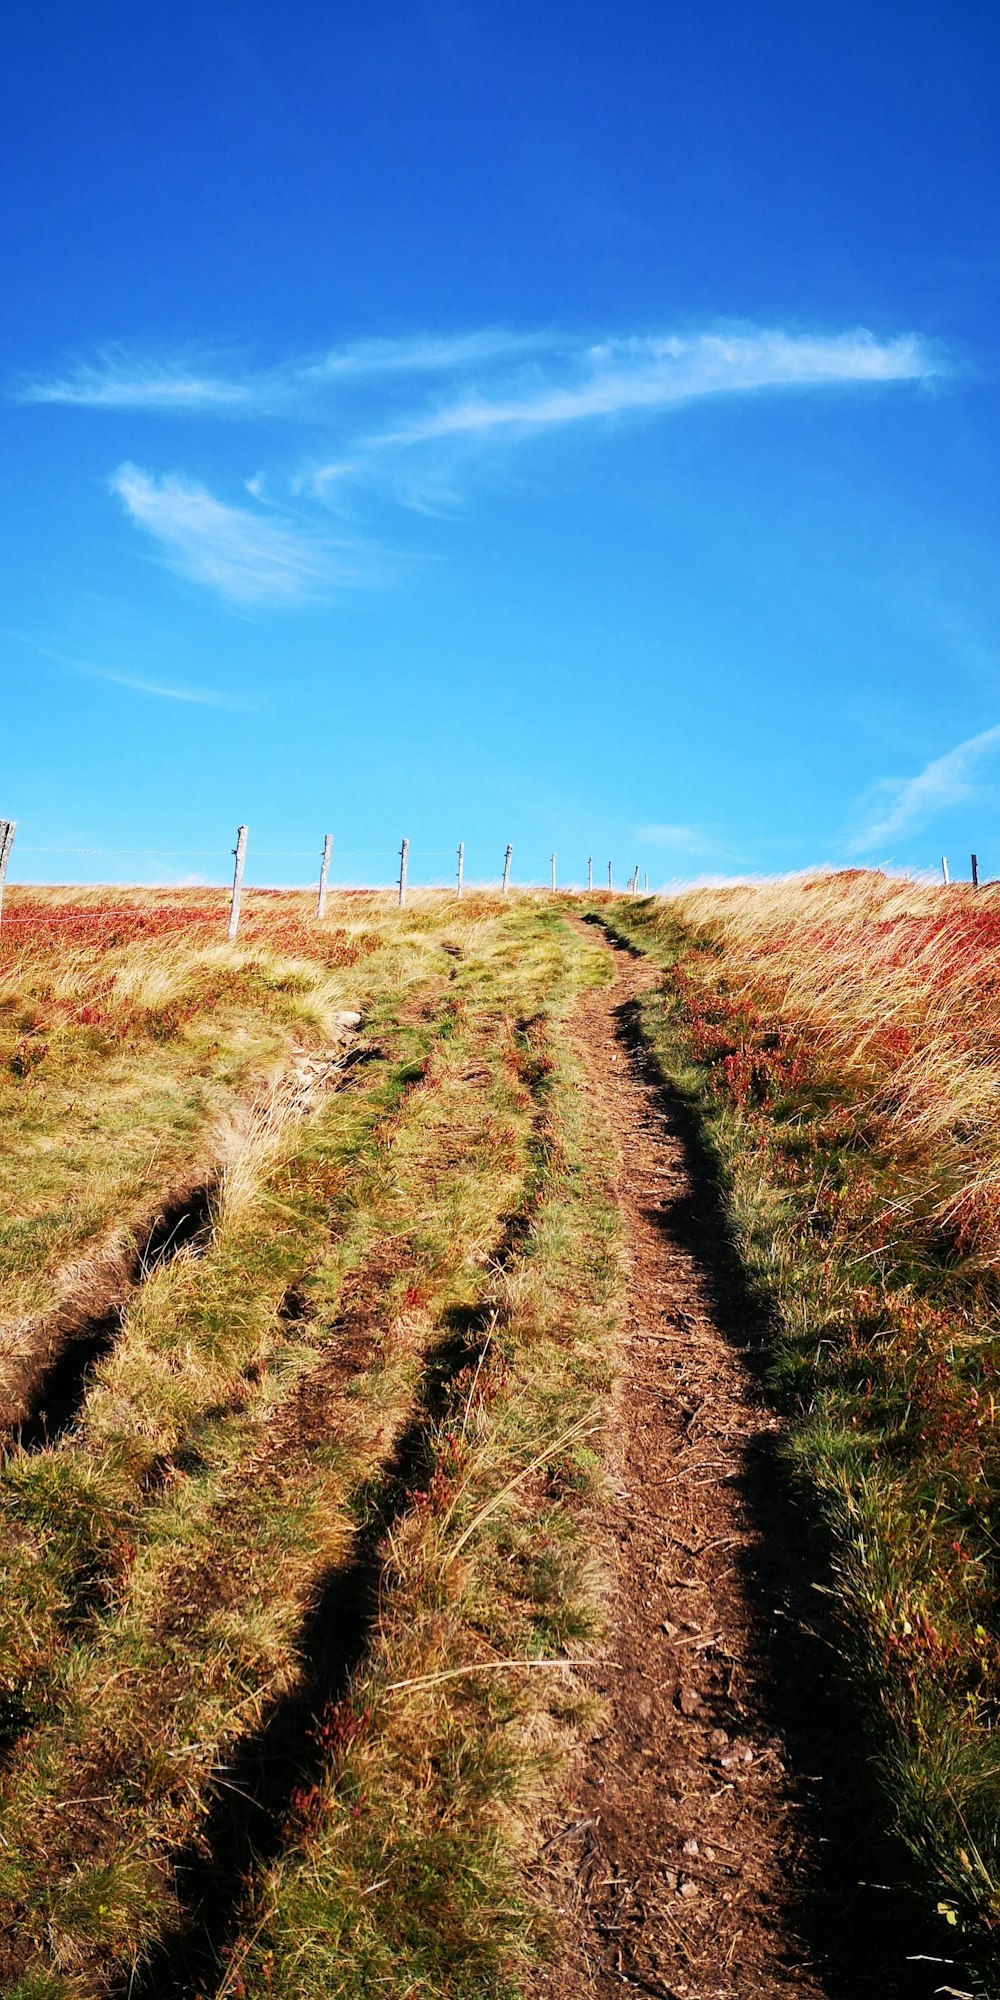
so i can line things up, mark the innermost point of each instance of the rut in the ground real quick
(717, 1838)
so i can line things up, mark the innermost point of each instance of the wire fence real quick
(327, 877)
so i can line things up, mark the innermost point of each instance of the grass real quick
(840, 1039)
(295, 1615)
(128, 1036)
(132, 1037)
(170, 1556)
(401, 1869)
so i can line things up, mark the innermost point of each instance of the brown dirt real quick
(716, 1838)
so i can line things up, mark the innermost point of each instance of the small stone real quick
(670, 1878)
(746, 1756)
(644, 1707)
(689, 1701)
(689, 1888)
(347, 1019)
(691, 1848)
(709, 1854)
(670, 1630)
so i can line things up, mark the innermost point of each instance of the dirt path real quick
(714, 1840)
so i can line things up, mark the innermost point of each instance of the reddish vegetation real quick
(846, 1041)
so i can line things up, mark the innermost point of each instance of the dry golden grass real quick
(840, 1039)
(165, 1556)
(899, 984)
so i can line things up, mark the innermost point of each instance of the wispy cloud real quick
(414, 416)
(898, 806)
(188, 384)
(248, 557)
(427, 354)
(619, 376)
(202, 697)
(569, 379)
(121, 381)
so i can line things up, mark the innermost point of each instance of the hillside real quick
(500, 1443)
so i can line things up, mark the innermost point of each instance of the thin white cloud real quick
(185, 385)
(120, 381)
(203, 697)
(504, 387)
(903, 805)
(655, 373)
(248, 557)
(426, 354)
(570, 379)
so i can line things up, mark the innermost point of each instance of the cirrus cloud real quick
(896, 806)
(248, 557)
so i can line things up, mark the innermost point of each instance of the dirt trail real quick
(716, 1840)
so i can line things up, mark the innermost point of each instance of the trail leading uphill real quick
(716, 1840)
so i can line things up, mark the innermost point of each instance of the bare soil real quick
(719, 1837)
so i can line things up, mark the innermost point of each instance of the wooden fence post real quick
(945, 877)
(403, 854)
(506, 870)
(240, 851)
(461, 864)
(553, 872)
(645, 885)
(611, 882)
(590, 872)
(975, 871)
(7, 829)
(324, 870)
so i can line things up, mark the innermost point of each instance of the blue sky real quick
(576, 427)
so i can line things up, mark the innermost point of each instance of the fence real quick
(238, 855)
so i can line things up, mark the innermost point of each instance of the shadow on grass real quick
(247, 1823)
(80, 1339)
(864, 1931)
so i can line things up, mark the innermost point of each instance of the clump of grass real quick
(841, 1041)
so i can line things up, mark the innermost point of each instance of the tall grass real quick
(841, 1041)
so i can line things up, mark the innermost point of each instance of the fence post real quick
(611, 880)
(975, 871)
(506, 870)
(240, 851)
(403, 854)
(590, 872)
(7, 828)
(324, 870)
(461, 864)
(553, 872)
(945, 877)
(645, 885)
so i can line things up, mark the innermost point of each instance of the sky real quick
(571, 427)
